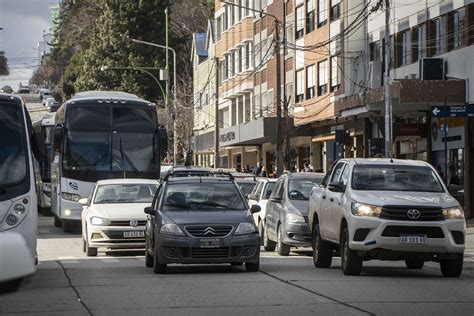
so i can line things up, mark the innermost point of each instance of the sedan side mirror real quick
(336, 187)
(255, 209)
(84, 201)
(149, 210)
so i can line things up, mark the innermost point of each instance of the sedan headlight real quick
(171, 229)
(99, 221)
(294, 218)
(453, 213)
(359, 209)
(245, 229)
(71, 197)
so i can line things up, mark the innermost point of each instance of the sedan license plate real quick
(413, 239)
(210, 243)
(133, 234)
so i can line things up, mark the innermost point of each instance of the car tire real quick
(84, 246)
(322, 250)
(414, 263)
(260, 232)
(90, 251)
(236, 264)
(252, 266)
(452, 268)
(57, 221)
(282, 248)
(158, 268)
(268, 245)
(148, 258)
(351, 263)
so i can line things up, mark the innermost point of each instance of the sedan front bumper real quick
(113, 237)
(296, 234)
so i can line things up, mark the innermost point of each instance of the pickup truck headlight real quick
(359, 209)
(71, 197)
(453, 213)
(245, 229)
(294, 218)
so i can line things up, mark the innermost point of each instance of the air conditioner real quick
(375, 74)
(431, 68)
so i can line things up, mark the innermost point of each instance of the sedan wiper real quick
(181, 205)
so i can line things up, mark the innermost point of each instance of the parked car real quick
(387, 210)
(113, 216)
(44, 93)
(286, 218)
(23, 90)
(259, 196)
(7, 89)
(46, 100)
(52, 105)
(201, 219)
(246, 183)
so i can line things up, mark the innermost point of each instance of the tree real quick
(3, 64)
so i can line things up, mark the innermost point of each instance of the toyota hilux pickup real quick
(386, 209)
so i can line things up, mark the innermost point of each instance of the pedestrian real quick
(307, 167)
(257, 169)
(452, 176)
(264, 172)
(247, 169)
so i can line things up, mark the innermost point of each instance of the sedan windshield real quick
(300, 189)
(125, 193)
(199, 196)
(395, 178)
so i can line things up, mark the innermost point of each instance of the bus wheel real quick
(57, 221)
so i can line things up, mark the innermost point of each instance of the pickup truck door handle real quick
(331, 199)
(324, 197)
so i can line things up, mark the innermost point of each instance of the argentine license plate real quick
(133, 234)
(210, 243)
(413, 239)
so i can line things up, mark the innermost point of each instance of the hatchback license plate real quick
(413, 239)
(133, 234)
(210, 243)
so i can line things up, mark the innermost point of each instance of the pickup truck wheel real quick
(322, 250)
(452, 267)
(414, 263)
(282, 248)
(268, 245)
(260, 232)
(351, 263)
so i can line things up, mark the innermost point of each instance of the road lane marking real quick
(68, 259)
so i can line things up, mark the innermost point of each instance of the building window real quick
(232, 64)
(248, 53)
(237, 54)
(310, 82)
(322, 12)
(226, 73)
(406, 48)
(257, 109)
(299, 86)
(247, 6)
(232, 14)
(238, 10)
(470, 24)
(419, 42)
(309, 16)
(438, 40)
(299, 22)
(225, 18)
(374, 53)
(322, 77)
(334, 12)
(335, 73)
(218, 28)
(203, 98)
(456, 29)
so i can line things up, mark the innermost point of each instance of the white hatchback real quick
(113, 216)
(259, 196)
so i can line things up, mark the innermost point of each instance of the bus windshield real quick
(13, 158)
(121, 139)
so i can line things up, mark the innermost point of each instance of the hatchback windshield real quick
(395, 178)
(125, 193)
(268, 190)
(300, 189)
(198, 196)
(246, 187)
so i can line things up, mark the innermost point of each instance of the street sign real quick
(452, 111)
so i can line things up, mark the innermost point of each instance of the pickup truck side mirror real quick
(149, 210)
(336, 187)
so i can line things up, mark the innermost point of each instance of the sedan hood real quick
(119, 211)
(381, 198)
(207, 217)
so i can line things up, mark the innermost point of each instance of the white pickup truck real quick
(387, 210)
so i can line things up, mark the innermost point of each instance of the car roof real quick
(267, 179)
(126, 181)
(189, 168)
(386, 161)
(305, 175)
(205, 179)
(11, 98)
(106, 95)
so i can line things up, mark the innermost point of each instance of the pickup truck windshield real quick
(395, 178)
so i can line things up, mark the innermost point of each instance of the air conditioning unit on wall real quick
(431, 68)
(375, 74)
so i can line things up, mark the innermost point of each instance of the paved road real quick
(67, 282)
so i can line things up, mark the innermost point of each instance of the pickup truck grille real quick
(399, 213)
(396, 231)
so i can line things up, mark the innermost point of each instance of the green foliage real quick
(3, 64)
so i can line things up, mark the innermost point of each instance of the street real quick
(69, 282)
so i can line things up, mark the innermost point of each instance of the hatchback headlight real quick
(71, 197)
(171, 229)
(453, 213)
(245, 229)
(99, 221)
(294, 218)
(359, 209)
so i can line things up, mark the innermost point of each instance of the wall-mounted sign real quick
(227, 137)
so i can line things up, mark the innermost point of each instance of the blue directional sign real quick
(452, 111)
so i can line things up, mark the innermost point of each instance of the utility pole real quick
(285, 101)
(388, 103)
(216, 114)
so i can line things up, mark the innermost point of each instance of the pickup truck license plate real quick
(413, 239)
(210, 243)
(133, 234)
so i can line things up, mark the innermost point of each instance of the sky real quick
(23, 22)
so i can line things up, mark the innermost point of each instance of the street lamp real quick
(175, 100)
